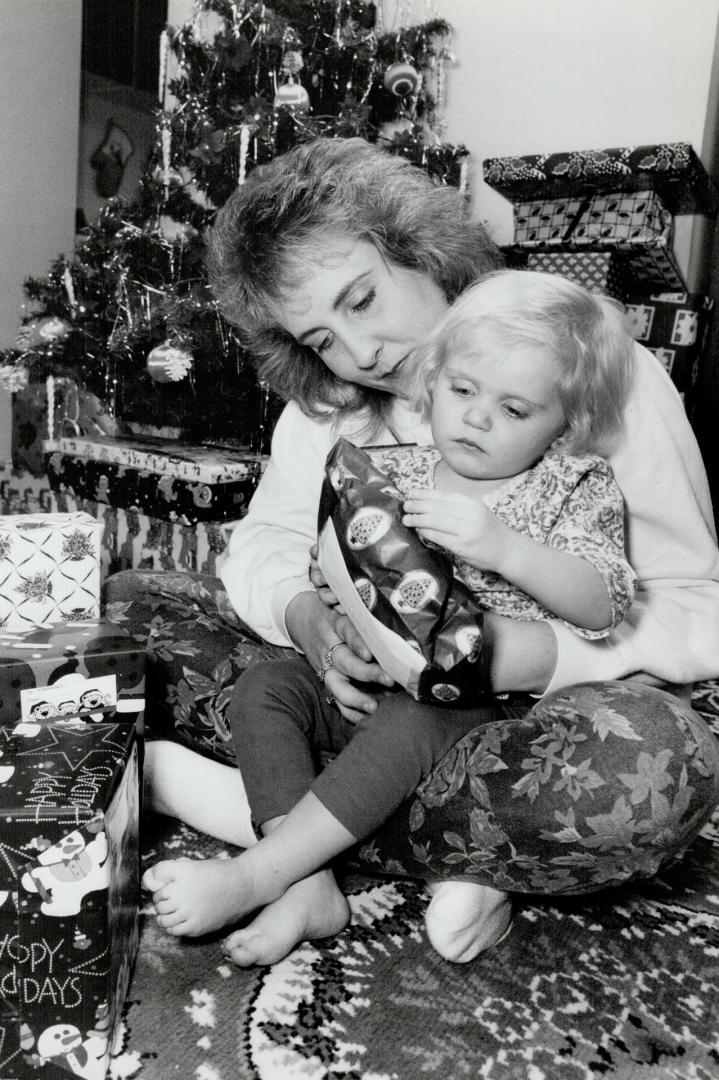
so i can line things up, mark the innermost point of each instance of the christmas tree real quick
(128, 315)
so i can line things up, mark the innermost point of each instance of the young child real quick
(524, 382)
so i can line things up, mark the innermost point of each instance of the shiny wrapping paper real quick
(407, 587)
(72, 654)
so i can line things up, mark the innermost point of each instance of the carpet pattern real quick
(622, 984)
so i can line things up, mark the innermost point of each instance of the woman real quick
(336, 261)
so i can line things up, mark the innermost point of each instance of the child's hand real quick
(460, 524)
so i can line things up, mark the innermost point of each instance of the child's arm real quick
(568, 586)
(577, 570)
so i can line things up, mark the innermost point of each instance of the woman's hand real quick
(315, 629)
(460, 524)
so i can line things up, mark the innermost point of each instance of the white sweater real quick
(672, 628)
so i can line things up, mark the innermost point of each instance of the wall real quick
(40, 43)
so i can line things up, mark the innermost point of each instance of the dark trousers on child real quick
(283, 728)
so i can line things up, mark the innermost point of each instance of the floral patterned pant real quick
(595, 785)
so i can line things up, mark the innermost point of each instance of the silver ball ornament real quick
(168, 363)
(401, 79)
(293, 96)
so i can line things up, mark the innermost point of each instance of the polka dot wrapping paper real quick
(408, 587)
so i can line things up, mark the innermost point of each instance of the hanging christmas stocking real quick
(110, 159)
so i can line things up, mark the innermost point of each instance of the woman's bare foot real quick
(194, 897)
(465, 918)
(311, 908)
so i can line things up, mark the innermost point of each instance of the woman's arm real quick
(267, 561)
(671, 631)
(266, 569)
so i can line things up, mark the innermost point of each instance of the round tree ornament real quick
(401, 79)
(168, 363)
(293, 96)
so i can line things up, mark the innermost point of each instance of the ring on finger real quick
(327, 661)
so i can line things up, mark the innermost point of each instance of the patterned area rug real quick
(620, 985)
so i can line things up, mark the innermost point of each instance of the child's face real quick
(494, 417)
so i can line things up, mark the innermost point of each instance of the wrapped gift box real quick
(621, 220)
(131, 540)
(604, 268)
(634, 229)
(672, 170)
(599, 271)
(69, 894)
(49, 568)
(73, 656)
(71, 410)
(184, 484)
(675, 327)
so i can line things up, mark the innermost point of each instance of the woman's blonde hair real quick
(285, 216)
(582, 331)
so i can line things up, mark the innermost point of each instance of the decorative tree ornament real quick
(244, 145)
(50, 391)
(292, 95)
(39, 332)
(166, 143)
(401, 79)
(168, 363)
(162, 80)
(69, 288)
(292, 62)
(173, 230)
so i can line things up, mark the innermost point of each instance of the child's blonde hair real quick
(583, 332)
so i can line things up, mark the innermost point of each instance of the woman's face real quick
(362, 316)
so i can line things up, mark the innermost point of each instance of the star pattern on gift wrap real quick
(76, 746)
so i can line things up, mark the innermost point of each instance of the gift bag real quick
(423, 626)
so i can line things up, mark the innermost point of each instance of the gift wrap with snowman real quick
(423, 626)
(69, 892)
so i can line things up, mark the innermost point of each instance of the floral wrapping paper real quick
(131, 540)
(69, 894)
(675, 327)
(408, 587)
(673, 170)
(49, 568)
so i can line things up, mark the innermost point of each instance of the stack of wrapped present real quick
(71, 709)
(605, 218)
(163, 505)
